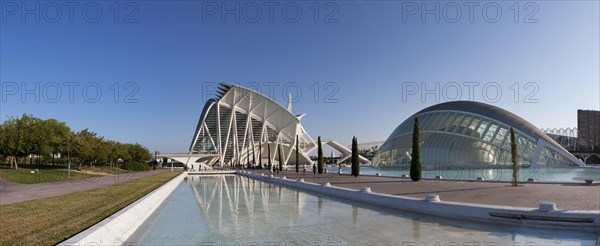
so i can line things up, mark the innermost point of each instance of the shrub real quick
(135, 166)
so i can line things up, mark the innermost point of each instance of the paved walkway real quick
(576, 196)
(13, 193)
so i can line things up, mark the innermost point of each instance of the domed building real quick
(466, 133)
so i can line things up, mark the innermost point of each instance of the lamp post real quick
(69, 157)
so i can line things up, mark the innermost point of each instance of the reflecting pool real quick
(234, 210)
(540, 174)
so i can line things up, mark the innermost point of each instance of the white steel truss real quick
(240, 123)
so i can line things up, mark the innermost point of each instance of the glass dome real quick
(469, 133)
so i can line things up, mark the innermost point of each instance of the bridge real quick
(206, 161)
(345, 152)
(193, 161)
(587, 157)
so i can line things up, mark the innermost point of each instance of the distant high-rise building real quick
(588, 123)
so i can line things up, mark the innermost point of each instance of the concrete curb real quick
(115, 229)
(445, 179)
(585, 220)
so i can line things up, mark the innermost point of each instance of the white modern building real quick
(243, 127)
(471, 133)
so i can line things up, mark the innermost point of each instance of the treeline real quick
(31, 140)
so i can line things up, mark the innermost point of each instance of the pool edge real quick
(118, 227)
(521, 216)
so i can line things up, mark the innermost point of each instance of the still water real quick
(234, 210)
(540, 174)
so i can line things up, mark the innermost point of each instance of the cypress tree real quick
(355, 161)
(513, 152)
(279, 157)
(321, 162)
(415, 161)
(297, 155)
(260, 156)
(253, 156)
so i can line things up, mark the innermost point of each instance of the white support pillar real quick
(220, 150)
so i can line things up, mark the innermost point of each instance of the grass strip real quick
(51, 220)
(24, 175)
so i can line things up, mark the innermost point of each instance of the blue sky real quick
(369, 61)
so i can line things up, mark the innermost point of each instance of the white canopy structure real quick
(240, 126)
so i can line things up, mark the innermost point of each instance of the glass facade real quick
(457, 138)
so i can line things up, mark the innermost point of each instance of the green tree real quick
(112, 147)
(46, 139)
(85, 141)
(11, 141)
(32, 136)
(297, 155)
(69, 151)
(415, 160)
(321, 162)
(139, 153)
(355, 161)
(122, 152)
(25, 133)
(513, 152)
(37, 137)
(58, 137)
(2, 151)
(100, 149)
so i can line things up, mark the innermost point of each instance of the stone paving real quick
(575, 196)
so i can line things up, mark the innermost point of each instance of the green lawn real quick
(24, 175)
(52, 220)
